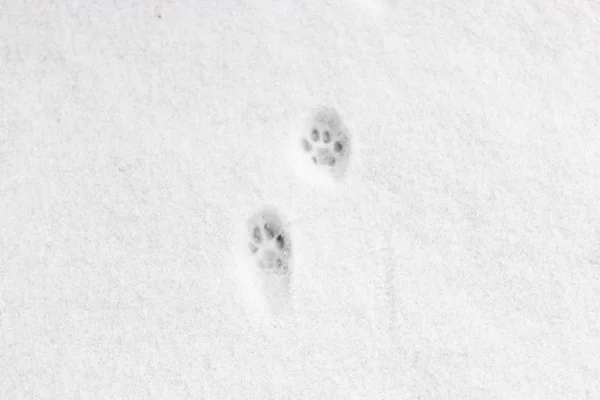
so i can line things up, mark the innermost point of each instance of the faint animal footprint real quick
(265, 260)
(321, 146)
(269, 243)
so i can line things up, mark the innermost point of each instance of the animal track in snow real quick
(265, 259)
(269, 242)
(320, 147)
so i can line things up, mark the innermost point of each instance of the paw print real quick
(325, 141)
(269, 242)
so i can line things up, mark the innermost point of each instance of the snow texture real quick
(456, 257)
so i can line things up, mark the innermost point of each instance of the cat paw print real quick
(322, 145)
(265, 261)
(324, 149)
(269, 243)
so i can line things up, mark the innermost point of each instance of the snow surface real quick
(458, 258)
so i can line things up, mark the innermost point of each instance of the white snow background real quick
(459, 258)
